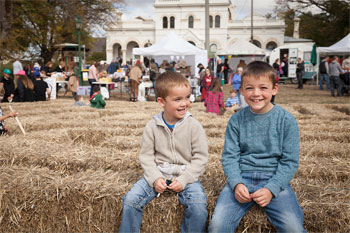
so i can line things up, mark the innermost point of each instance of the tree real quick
(327, 26)
(39, 25)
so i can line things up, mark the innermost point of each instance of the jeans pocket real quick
(139, 195)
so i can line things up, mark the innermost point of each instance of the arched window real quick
(257, 43)
(217, 21)
(172, 22)
(271, 46)
(190, 22)
(165, 22)
(210, 21)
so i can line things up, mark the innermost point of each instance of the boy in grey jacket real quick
(174, 152)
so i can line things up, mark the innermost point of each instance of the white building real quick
(187, 19)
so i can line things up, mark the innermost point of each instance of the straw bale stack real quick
(71, 170)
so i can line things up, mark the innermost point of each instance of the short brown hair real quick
(167, 80)
(233, 91)
(259, 69)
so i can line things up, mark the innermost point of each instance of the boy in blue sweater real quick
(260, 157)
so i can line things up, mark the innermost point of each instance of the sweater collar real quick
(159, 119)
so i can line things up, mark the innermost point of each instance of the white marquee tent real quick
(243, 47)
(172, 47)
(342, 47)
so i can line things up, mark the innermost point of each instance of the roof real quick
(288, 39)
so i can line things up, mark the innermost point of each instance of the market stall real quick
(172, 47)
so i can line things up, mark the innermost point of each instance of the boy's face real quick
(176, 104)
(232, 95)
(258, 92)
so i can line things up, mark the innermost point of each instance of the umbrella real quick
(314, 55)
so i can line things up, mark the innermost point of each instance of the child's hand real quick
(262, 197)
(160, 185)
(12, 114)
(242, 194)
(176, 186)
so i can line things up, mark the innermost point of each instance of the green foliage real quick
(97, 56)
(326, 27)
(42, 24)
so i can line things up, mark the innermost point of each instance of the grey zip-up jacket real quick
(335, 68)
(186, 145)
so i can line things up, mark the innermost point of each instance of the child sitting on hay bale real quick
(174, 152)
(260, 157)
(3, 129)
(96, 100)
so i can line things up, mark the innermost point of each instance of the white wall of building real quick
(125, 34)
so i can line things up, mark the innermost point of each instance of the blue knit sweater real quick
(266, 142)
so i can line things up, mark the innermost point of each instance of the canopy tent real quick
(342, 47)
(243, 47)
(172, 47)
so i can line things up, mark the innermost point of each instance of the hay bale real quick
(71, 170)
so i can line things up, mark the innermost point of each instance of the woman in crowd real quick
(215, 98)
(48, 68)
(206, 83)
(236, 80)
(135, 76)
(24, 88)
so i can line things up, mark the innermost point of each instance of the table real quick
(105, 83)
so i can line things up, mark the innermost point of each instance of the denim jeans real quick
(324, 77)
(193, 198)
(335, 82)
(283, 211)
(92, 86)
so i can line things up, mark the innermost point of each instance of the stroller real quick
(345, 83)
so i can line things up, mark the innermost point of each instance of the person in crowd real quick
(73, 81)
(96, 100)
(135, 79)
(162, 68)
(215, 98)
(220, 69)
(334, 72)
(40, 88)
(277, 66)
(236, 81)
(346, 64)
(232, 101)
(260, 157)
(206, 83)
(48, 68)
(172, 132)
(324, 73)
(8, 85)
(285, 67)
(113, 67)
(3, 129)
(300, 72)
(242, 64)
(61, 68)
(153, 75)
(226, 71)
(24, 88)
(93, 75)
(17, 66)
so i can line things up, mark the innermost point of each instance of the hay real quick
(71, 170)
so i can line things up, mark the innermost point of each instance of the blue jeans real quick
(92, 85)
(335, 82)
(283, 211)
(193, 198)
(324, 77)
